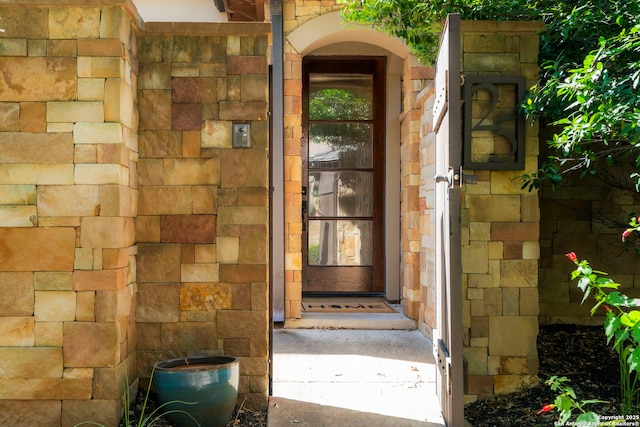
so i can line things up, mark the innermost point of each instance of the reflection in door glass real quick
(340, 145)
(340, 193)
(340, 243)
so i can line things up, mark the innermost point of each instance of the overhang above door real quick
(242, 10)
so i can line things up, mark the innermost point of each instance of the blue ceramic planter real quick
(211, 382)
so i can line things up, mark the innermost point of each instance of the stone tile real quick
(104, 412)
(93, 66)
(41, 413)
(174, 200)
(73, 112)
(113, 306)
(160, 144)
(100, 47)
(242, 324)
(55, 306)
(186, 117)
(86, 306)
(9, 116)
(68, 200)
(479, 384)
(216, 134)
(107, 232)
(157, 105)
(52, 281)
(204, 199)
(100, 280)
(186, 90)
(97, 133)
(33, 117)
(519, 273)
(493, 208)
(228, 249)
(247, 65)
(41, 148)
(513, 335)
(200, 273)
(188, 228)
(244, 168)
(518, 231)
(48, 334)
(158, 302)
(18, 216)
(89, 344)
(100, 174)
(255, 87)
(154, 76)
(147, 229)
(37, 79)
(16, 294)
(205, 296)
(17, 331)
(192, 171)
(158, 263)
(31, 362)
(510, 383)
(29, 254)
(39, 174)
(253, 244)
(74, 22)
(241, 296)
(254, 110)
(189, 336)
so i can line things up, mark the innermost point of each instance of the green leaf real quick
(611, 325)
(563, 403)
(634, 360)
(588, 417)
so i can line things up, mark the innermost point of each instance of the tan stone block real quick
(244, 168)
(97, 133)
(31, 362)
(254, 87)
(242, 324)
(113, 306)
(158, 302)
(78, 373)
(519, 273)
(189, 335)
(200, 273)
(529, 303)
(151, 172)
(52, 281)
(84, 259)
(17, 331)
(48, 334)
(242, 215)
(188, 228)
(99, 280)
(475, 259)
(165, 200)
(74, 22)
(13, 47)
(205, 253)
(91, 89)
(9, 116)
(216, 134)
(147, 228)
(68, 200)
(159, 262)
(119, 103)
(191, 171)
(107, 232)
(511, 383)
(16, 294)
(45, 389)
(33, 117)
(476, 358)
(73, 112)
(253, 244)
(18, 216)
(495, 208)
(115, 258)
(95, 66)
(154, 76)
(157, 104)
(37, 79)
(101, 411)
(100, 47)
(17, 195)
(55, 306)
(86, 306)
(100, 174)
(39, 174)
(44, 148)
(513, 335)
(88, 344)
(205, 296)
(27, 251)
(204, 199)
(228, 249)
(518, 231)
(190, 143)
(41, 413)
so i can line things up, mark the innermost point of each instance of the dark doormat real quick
(346, 306)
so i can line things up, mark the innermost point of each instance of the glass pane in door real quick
(340, 243)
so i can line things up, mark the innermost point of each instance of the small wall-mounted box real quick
(241, 136)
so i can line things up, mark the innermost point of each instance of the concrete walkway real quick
(347, 377)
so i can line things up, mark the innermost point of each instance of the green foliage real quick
(621, 325)
(589, 76)
(566, 402)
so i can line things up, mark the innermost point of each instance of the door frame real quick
(347, 64)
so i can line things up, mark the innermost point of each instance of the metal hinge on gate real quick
(456, 178)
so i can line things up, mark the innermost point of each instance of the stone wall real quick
(68, 191)
(203, 208)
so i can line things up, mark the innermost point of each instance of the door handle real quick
(455, 178)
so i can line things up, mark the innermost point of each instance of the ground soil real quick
(578, 352)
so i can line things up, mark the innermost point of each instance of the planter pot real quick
(209, 382)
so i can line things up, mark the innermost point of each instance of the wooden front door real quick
(343, 174)
(447, 336)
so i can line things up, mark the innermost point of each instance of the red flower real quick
(572, 256)
(546, 408)
(626, 233)
(607, 308)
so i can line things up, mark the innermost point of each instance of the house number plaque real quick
(493, 126)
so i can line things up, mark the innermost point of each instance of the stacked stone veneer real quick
(203, 207)
(68, 191)
(92, 103)
(500, 230)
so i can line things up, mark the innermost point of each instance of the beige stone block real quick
(204, 199)
(151, 172)
(513, 335)
(158, 302)
(13, 47)
(244, 168)
(41, 413)
(100, 174)
(55, 306)
(101, 411)
(88, 344)
(9, 115)
(37, 79)
(31, 362)
(253, 244)
(238, 215)
(74, 22)
(109, 382)
(59, 127)
(97, 133)
(38, 249)
(529, 302)
(154, 76)
(84, 259)
(52, 281)
(120, 103)
(496, 208)
(73, 112)
(242, 324)
(519, 273)
(531, 250)
(86, 306)
(40, 174)
(165, 200)
(192, 171)
(228, 249)
(48, 334)
(107, 232)
(17, 331)
(68, 200)
(18, 216)
(216, 134)
(33, 117)
(476, 358)
(475, 259)
(147, 228)
(200, 273)
(100, 280)
(42, 148)
(511, 383)
(91, 89)
(94, 66)
(205, 253)
(189, 335)
(78, 373)
(45, 389)
(157, 105)
(17, 195)
(113, 306)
